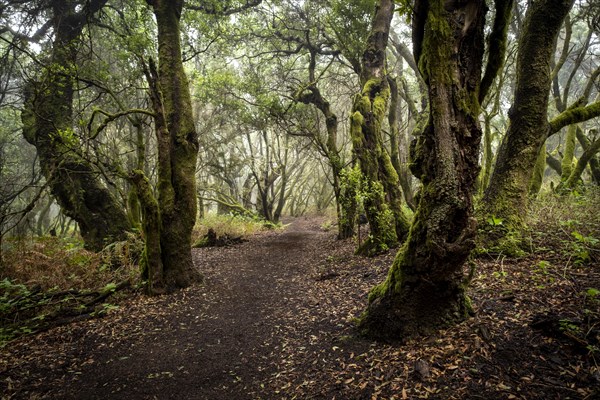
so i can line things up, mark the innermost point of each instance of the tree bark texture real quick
(537, 177)
(47, 124)
(506, 196)
(488, 155)
(583, 161)
(424, 289)
(177, 149)
(381, 189)
(593, 162)
(396, 140)
(151, 261)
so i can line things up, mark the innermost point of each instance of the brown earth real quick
(274, 321)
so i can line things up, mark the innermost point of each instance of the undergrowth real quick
(566, 226)
(564, 255)
(230, 225)
(47, 281)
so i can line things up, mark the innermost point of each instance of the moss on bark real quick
(381, 189)
(507, 194)
(538, 173)
(574, 115)
(583, 161)
(425, 289)
(177, 149)
(378, 173)
(151, 262)
(568, 153)
(47, 118)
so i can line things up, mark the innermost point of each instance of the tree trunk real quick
(553, 163)
(177, 149)
(381, 189)
(424, 289)
(506, 196)
(568, 153)
(43, 221)
(538, 173)
(594, 163)
(396, 141)
(151, 261)
(47, 124)
(488, 154)
(345, 206)
(583, 161)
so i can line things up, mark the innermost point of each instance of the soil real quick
(274, 320)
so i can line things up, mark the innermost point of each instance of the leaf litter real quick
(274, 320)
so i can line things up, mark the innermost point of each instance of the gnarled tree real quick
(425, 288)
(47, 119)
(381, 189)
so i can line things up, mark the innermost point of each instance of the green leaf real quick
(577, 236)
(110, 287)
(592, 292)
(494, 221)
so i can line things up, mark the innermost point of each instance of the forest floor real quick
(274, 320)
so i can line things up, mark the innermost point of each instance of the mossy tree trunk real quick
(396, 141)
(47, 119)
(151, 262)
(538, 173)
(134, 211)
(506, 196)
(177, 149)
(568, 158)
(593, 162)
(588, 154)
(381, 190)
(345, 206)
(425, 289)
(488, 154)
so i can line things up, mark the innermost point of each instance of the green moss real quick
(357, 120)
(362, 104)
(468, 102)
(574, 115)
(435, 54)
(134, 210)
(380, 103)
(378, 291)
(538, 173)
(568, 153)
(371, 87)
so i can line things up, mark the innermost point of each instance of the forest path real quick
(225, 339)
(274, 321)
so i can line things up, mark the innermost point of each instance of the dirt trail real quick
(220, 340)
(274, 321)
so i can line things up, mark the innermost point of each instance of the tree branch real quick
(497, 46)
(574, 115)
(111, 117)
